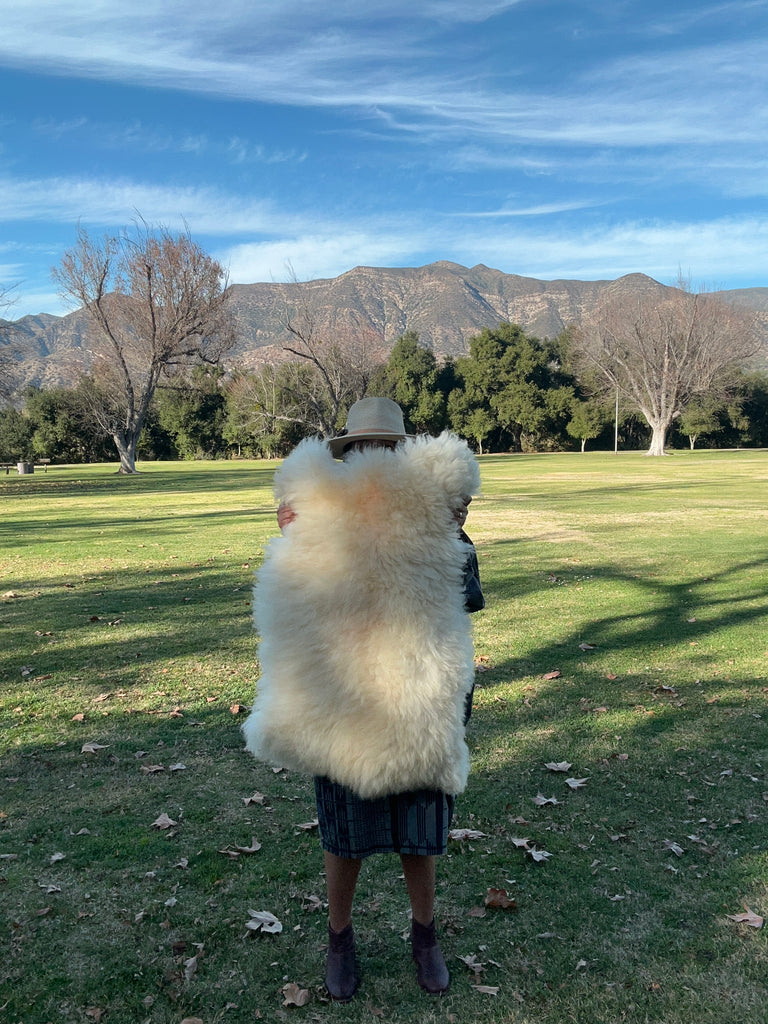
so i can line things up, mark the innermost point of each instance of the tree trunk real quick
(126, 449)
(658, 436)
(583, 444)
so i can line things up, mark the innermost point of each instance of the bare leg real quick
(419, 874)
(340, 965)
(431, 971)
(341, 879)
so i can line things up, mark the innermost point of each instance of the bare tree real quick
(8, 350)
(159, 306)
(659, 347)
(340, 359)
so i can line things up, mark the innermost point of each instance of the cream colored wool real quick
(366, 650)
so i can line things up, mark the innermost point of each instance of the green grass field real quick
(626, 635)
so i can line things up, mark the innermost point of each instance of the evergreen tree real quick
(517, 382)
(15, 436)
(193, 414)
(412, 378)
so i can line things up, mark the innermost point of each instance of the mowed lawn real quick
(616, 863)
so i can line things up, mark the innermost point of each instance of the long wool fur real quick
(366, 650)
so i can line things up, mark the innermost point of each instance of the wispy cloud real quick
(344, 134)
(244, 151)
(657, 249)
(266, 235)
(108, 203)
(540, 210)
(306, 57)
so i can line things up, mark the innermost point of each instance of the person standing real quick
(373, 577)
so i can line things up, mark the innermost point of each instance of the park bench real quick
(25, 467)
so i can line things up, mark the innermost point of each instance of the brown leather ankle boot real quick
(340, 972)
(431, 972)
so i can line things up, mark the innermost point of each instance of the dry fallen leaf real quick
(554, 674)
(294, 996)
(576, 783)
(750, 918)
(253, 848)
(190, 968)
(586, 647)
(541, 801)
(164, 822)
(466, 833)
(92, 747)
(674, 848)
(472, 963)
(539, 856)
(311, 903)
(263, 921)
(257, 798)
(487, 990)
(498, 899)
(558, 766)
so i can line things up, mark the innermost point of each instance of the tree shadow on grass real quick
(142, 526)
(155, 478)
(117, 625)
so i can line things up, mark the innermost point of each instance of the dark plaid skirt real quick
(411, 823)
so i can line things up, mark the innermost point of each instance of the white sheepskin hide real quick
(366, 650)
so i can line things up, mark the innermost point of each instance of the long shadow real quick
(154, 479)
(36, 530)
(600, 498)
(653, 627)
(106, 623)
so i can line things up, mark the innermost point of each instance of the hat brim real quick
(338, 444)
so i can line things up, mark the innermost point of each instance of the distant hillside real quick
(446, 304)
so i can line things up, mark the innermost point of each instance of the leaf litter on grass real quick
(642, 798)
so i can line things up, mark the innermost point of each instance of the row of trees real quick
(664, 357)
(511, 392)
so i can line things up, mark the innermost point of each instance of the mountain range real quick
(445, 303)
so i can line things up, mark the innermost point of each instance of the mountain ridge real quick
(444, 302)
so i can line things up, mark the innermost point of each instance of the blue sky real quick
(549, 139)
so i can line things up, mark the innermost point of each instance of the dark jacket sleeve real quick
(473, 592)
(473, 601)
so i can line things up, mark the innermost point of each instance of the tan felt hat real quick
(370, 419)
